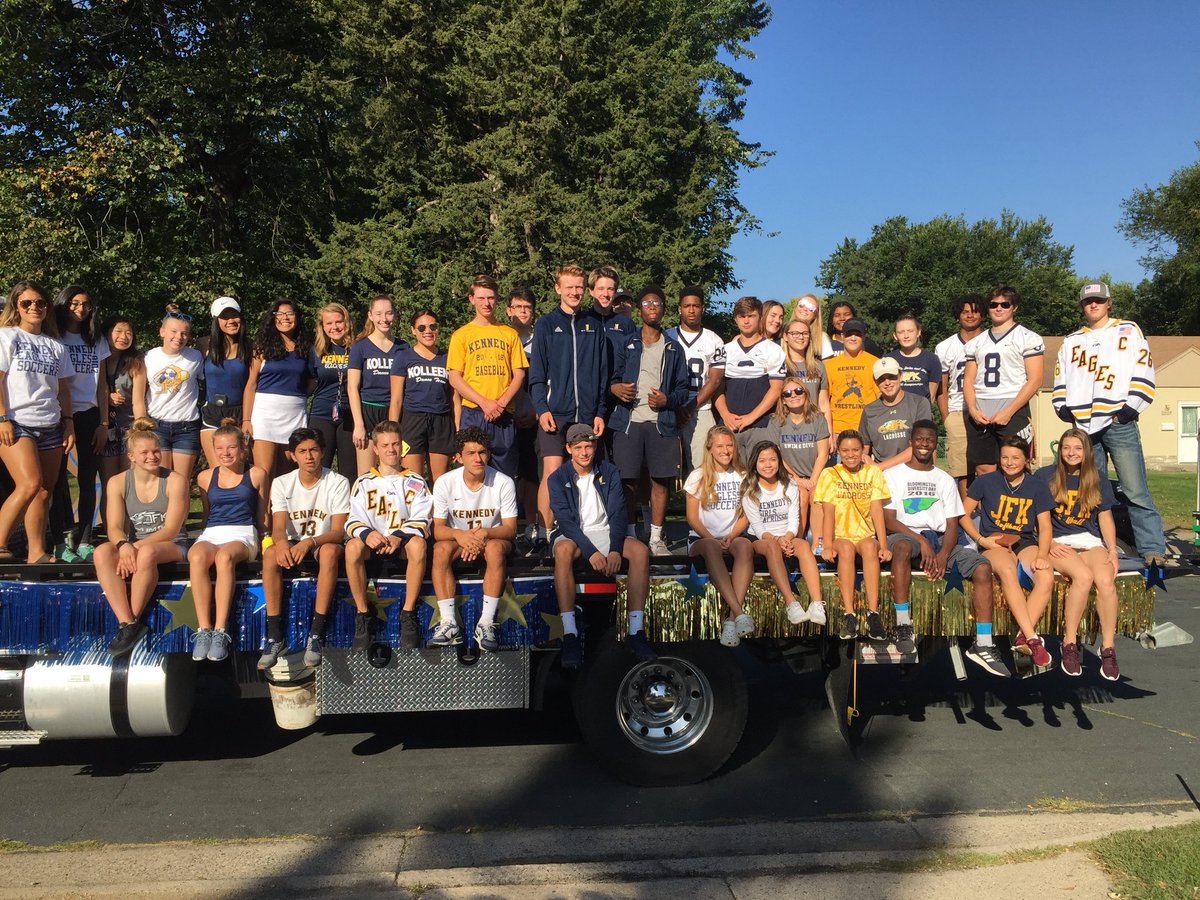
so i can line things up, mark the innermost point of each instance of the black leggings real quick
(62, 519)
(339, 438)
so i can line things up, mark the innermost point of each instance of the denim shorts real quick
(49, 438)
(179, 437)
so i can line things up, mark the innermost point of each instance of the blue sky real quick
(878, 109)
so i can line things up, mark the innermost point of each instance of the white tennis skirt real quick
(229, 534)
(276, 416)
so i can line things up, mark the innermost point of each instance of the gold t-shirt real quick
(850, 495)
(487, 356)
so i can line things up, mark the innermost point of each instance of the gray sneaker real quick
(312, 651)
(658, 547)
(219, 647)
(271, 654)
(203, 639)
(988, 659)
(445, 634)
(487, 638)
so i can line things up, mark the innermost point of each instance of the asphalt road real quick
(932, 746)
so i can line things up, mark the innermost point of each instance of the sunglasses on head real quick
(1001, 304)
(793, 392)
(182, 317)
(424, 328)
(36, 304)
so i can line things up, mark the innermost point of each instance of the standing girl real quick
(235, 507)
(124, 375)
(173, 384)
(802, 362)
(147, 505)
(769, 503)
(419, 383)
(226, 366)
(852, 494)
(368, 375)
(275, 401)
(772, 320)
(1015, 526)
(1084, 546)
(803, 437)
(330, 414)
(36, 427)
(75, 316)
(714, 514)
(808, 311)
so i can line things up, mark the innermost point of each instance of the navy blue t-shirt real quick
(426, 388)
(288, 376)
(1066, 516)
(1007, 510)
(331, 382)
(376, 367)
(917, 371)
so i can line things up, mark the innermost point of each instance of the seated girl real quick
(852, 495)
(1084, 546)
(235, 505)
(1014, 527)
(800, 429)
(714, 514)
(147, 506)
(770, 504)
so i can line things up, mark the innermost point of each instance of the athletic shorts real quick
(228, 534)
(502, 431)
(598, 536)
(1083, 540)
(211, 415)
(44, 439)
(372, 415)
(381, 565)
(642, 447)
(527, 455)
(179, 437)
(276, 416)
(983, 441)
(956, 445)
(553, 443)
(428, 432)
(967, 559)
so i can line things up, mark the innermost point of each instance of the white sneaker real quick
(816, 612)
(659, 548)
(796, 614)
(445, 634)
(729, 635)
(744, 624)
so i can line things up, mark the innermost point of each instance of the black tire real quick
(690, 727)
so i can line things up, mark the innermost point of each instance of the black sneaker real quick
(904, 639)
(539, 548)
(571, 655)
(849, 627)
(875, 627)
(639, 645)
(988, 659)
(127, 637)
(362, 632)
(410, 630)
(273, 651)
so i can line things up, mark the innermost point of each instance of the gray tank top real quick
(146, 518)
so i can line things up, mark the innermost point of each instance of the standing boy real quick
(521, 312)
(968, 310)
(702, 348)
(753, 369)
(851, 385)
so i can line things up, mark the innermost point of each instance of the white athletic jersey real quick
(391, 504)
(173, 385)
(923, 500)
(1099, 372)
(1000, 361)
(748, 374)
(85, 362)
(33, 365)
(776, 512)
(702, 350)
(952, 355)
(717, 519)
(309, 511)
(456, 505)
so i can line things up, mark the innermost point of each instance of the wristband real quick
(121, 544)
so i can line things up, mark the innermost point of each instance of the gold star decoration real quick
(182, 611)
(375, 602)
(431, 601)
(511, 604)
(554, 623)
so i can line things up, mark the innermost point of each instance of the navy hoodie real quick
(569, 367)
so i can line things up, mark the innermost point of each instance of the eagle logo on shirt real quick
(170, 380)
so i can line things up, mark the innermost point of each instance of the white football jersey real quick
(459, 507)
(951, 353)
(309, 511)
(1000, 361)
(701, 350)
(749, 372)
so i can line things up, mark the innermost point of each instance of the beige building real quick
(1168, 427)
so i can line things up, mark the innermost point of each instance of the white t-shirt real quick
(86, 362)
(701, 349)
(923, 500)
(33, 364)
(1000, 361)
(717, 519)
(309, 510)
(951, 354)
(458, 506)
(173, 385)
(592, 514)
(776, 512)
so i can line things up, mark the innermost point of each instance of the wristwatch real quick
(4, 419)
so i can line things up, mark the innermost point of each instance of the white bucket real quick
(295, 703)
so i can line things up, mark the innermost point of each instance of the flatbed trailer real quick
(673, 720)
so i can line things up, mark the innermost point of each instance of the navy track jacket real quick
(673, 381)
(564, 501)
(569, 367)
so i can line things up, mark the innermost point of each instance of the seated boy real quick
(390, 509)
(309, 507)
(474, 517)
(588, 502)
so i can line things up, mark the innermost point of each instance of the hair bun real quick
(229, 421)
(143, 423)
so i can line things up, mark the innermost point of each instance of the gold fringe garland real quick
(673, 613)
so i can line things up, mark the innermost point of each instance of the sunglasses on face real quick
(35, 304)
(1093, 301)
(424, 328)
(793, 392)
(1002, 304)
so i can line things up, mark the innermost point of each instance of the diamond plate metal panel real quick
(20, 738)
(422, 681)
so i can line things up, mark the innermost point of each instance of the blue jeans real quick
(1123, 445)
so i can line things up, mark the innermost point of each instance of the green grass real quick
(1175, 495)
(1149, 865)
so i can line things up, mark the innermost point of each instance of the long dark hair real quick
(130, 359)
(217, 351)
(269, 342)
(88, 329)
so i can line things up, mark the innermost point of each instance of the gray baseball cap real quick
(579, 432)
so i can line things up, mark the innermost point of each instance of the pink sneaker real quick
(1070, 660)
(1041, 657)
(1108, 664)
(1020, 645)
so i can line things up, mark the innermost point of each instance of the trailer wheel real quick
(670, 721)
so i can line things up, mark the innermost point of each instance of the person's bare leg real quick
(272, 579)
(414, 572)
(845, 573)
(145, 579)
(112, 584)
(1075, 568)
(714, 562)
(773, 554)
(565, 554)
(227, 559)
(637, 581)
(808, 569)
(1105, 580)
(1043, 584)
(868, 549)
(550, 465)
(200, 558)
(181, 463)
(495, 570)
(743, 568)
(328, 556)
(444, 582)
(357, 555)
(1004, 564)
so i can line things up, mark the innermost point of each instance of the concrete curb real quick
(694, 861)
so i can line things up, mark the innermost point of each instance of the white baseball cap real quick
(221, 304)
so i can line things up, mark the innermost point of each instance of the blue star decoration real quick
(954, 579)
(1154, 577)
(695, 585)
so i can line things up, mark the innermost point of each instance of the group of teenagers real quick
(796, 442)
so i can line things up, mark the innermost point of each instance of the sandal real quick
(43, 559)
